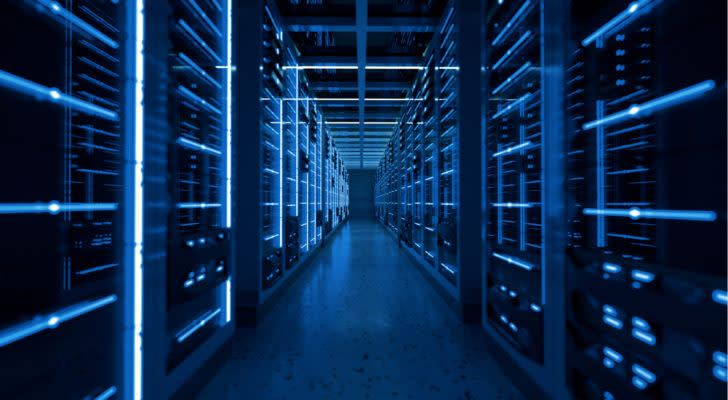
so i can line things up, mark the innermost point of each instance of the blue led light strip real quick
(52, 320)
(636, 213)
(513, 48)
(138, 189)
(195, 325)
(228, 123)
(106, 394)
(201, 72)
(54, 207)
(197, 99)
(53, 95)
(635, 9)
(511, 149)
(57, 9)
(198, 146)
(514, 261)
(512, 205)
(511, 79)
(512, 105)
(505, 32)
(198, 205)
(203, 16)
(196, 38)
(636, 111)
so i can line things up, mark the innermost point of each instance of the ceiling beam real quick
(348, 24)
(352, 86)
(352, 61)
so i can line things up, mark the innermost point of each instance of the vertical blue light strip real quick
(280, 175)
(138, 200)
(228, 116)
(601, 237)
(296, 132)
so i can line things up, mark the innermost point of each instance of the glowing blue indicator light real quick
(639, 383)
(644, 336)
(509, 150)
(514, 261)
(106, 394)
(513, 327)
(512, 22)
(679, 97)
(512, 293)
(196, 325)
(643, 276)
(636, 213)
(719, 358)
(719, 372)
(609, 310)
(502, 288)
(189, 282)
(609, 363)
(640, 323)
(611, 268)
(535, 307)
(620, 20)
(611, 321)
(720, 296)
(41, 323)
(613, 354)
(643, 373)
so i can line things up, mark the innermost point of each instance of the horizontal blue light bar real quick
(644, 336)
(611, 321)
(719, 358)
(636, 213)
(611, 268)
(512, 105)
(54, 95)
(77, 22)
(198, 146)
(198, 205)
(449, 268)
(639, 383)
(197, 99)
(96, 269)
(640, 323)
(644, 373)
(643, 276)
(613, 354)
(660, 103)
(54, 207)
(196, 324)
(201, 72)
(513, 48)
(511, 149)
(514, 261)
(719, 372)
(634, 9)
(52, 320)
(267, 238)
(720, 296)
(191, 32)
(516, 75)
(609, 310)
(106, 394)
(512, 205)
(511, 23)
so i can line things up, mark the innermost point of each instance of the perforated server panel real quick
(646, 285)
(62, 88)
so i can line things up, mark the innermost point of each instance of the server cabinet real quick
(515, 294)
(199, 225)
(646, 285)
(64, 150)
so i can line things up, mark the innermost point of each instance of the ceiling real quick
(372, 50)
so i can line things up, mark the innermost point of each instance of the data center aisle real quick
(360, 323)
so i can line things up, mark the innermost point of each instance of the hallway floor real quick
(360, 323)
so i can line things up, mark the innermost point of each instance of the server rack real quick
(646, 278)
(199, 253)
(416, 191)
(515, 294)
(63, 91)
(299, 206)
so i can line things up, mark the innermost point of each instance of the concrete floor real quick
(361, 322)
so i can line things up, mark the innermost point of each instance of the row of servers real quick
(119, 209)
(603, 184)
(416, 180)
(304, 182)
